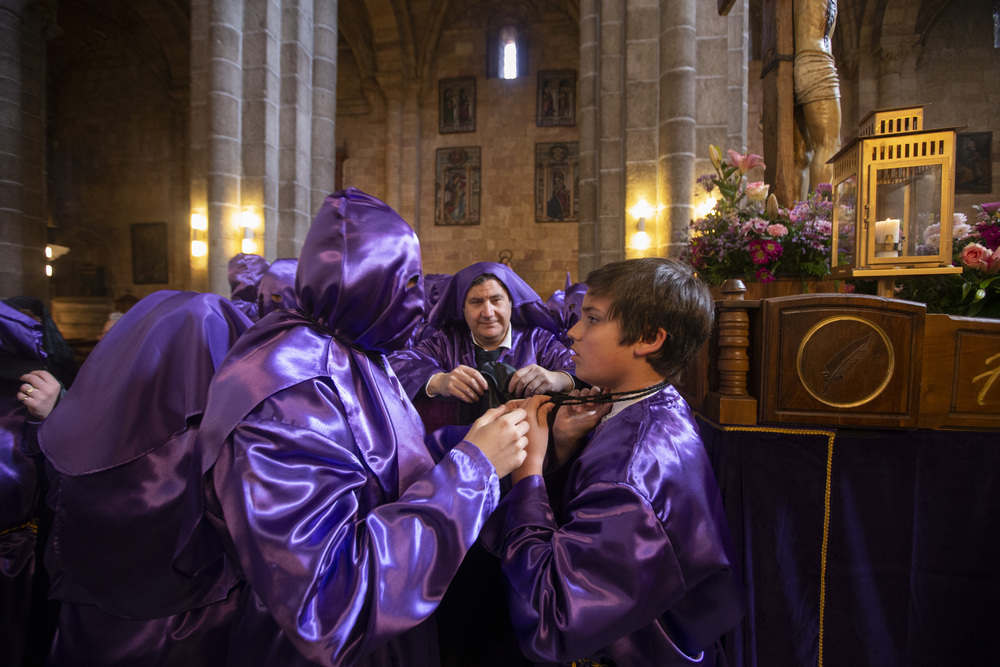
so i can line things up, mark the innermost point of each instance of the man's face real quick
(487, 312)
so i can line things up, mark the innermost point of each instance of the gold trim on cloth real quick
(30, 526)
(830, 436)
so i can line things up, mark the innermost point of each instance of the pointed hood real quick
(359, 273)
(277, 287)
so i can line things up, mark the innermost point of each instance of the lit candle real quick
(887, 238)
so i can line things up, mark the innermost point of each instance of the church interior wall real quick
(117, 155)
(506, 134)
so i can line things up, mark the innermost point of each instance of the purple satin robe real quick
(142, 578)
(631, 561)
(277, 286)
(533, 341)
(346, 530)
(244, 273)
(566, 307)
(21, 340)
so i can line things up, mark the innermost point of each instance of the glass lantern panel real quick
(845, 202)
(908, 211)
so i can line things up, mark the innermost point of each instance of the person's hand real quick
(464, 383)
(39, 393)
(501, 435)
(538, 409)
(533, 379)
(572, 422)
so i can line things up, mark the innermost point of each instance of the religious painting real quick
(457, 105)
(556, 104)
(149, 253)
(457, 186)
(557, 180)
(973, 163)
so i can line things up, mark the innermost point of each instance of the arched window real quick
(508, 52)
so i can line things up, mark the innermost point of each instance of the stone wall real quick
(118, 157)
(506, 133)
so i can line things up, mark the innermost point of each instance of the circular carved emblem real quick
(845, 361)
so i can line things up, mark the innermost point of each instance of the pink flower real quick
(757, 191)
(777, 229)
(759, 225)
(993, 263)
(975, 256)
(744, 163)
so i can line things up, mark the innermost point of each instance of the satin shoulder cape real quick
(122, 443)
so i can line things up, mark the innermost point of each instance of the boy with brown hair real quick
(621, 554)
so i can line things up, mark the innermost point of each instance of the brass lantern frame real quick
(894, 152)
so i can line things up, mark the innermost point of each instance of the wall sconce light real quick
(52, 253)
(249, 221)
(642, 210)
(199, 227)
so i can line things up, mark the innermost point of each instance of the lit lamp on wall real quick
(641, 211)
(52, 253)
(893, 200)
(199, 229)
(248, 221)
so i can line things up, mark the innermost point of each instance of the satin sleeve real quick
(414, 366)
(609, 570)
(341, 570)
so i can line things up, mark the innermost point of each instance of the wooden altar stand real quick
(855, 440)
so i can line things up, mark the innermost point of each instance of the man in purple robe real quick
(487, 314)
(346, 530)
(621, 554)
(21, 353)
(244, 273)
(126, 490)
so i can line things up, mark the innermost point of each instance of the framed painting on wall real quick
(557, 178)
(457, 105)
(556, 104)
(149, 253)
(457, 186)
(973, 163)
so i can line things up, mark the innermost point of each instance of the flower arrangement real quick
(747, 235)
(976, 291)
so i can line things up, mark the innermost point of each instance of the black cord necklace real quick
(610, 397)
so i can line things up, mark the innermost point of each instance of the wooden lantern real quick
(893, 200)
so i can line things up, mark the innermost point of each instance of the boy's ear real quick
(652, 343)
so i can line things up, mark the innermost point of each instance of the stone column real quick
(324, 107)
(588, 93)
(20, 263)
(737, 84)
(225, 79)
(641, 111)
(678, 61)
(261, 67)
(295, 126)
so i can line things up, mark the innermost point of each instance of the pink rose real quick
(757, 191)
(777, 229)
(975, 256)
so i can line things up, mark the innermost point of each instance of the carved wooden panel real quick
(960, 385)
(846, 360)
